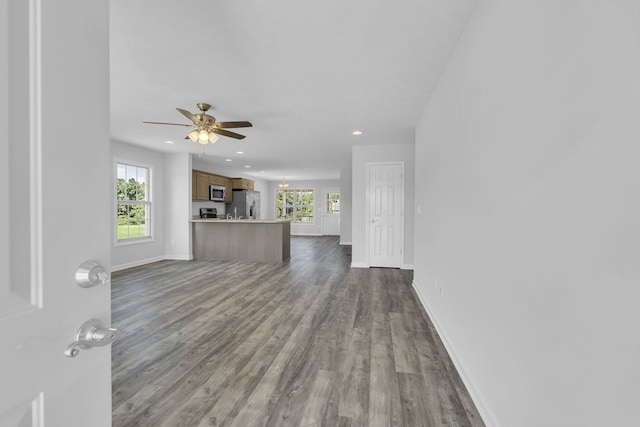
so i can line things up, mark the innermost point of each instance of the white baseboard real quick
(365, 265)
(359, 265)
(179, 257)
(136, 263)
(488, 419)
(345, 243)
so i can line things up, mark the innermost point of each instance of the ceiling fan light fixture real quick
(212, 137)
(193, 135)
(207, 129)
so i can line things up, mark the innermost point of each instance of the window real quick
(133, 203)
(333, 203)
(295, 205)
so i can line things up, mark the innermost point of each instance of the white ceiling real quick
(305, 73)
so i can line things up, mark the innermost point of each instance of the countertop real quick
(243, 221)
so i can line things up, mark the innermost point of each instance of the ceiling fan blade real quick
(227, 133)
(241, 124)
(188, 115)
(172, 124)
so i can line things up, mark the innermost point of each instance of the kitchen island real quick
(251, 240)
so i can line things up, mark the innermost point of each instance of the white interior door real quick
(56, 210)
(331, 211)
(385, 189)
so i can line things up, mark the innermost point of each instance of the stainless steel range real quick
(208, 213)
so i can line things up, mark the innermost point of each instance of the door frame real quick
(368, 210)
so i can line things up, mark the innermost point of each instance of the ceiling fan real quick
(206, 129)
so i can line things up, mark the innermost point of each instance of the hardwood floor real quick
(309, 342)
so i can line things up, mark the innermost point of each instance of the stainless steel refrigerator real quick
(246, 203)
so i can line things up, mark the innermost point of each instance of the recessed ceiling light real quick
(168, 142)
(356, 132)
(228, 160)
(239, 152)
(247, 166)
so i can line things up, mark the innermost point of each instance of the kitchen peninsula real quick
(251, 240)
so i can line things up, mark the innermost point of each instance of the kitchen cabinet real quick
(242, 184)
(200, 190)
(200, 182)
(218, 180)
(228, 195)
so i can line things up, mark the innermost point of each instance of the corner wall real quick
(346, 203)
(527, 245)
(178, 206)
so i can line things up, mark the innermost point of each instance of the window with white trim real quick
(133, 202)
(333, 202)
(295, 205)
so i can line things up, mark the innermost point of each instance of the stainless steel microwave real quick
(217, 193)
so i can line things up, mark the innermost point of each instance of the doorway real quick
(330, 211)
(385, 216)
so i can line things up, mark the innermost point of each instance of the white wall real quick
(363, 154)
(178, 206)
(302, 229)
(528, 188)
(346, 197)
(141, 253)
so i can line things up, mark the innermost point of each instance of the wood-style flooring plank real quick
(384, 394)
(308, 342)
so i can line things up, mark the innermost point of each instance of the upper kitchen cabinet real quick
(218, 180)
(228, 195)
(242, 184)
(200, 185)
(200, 182)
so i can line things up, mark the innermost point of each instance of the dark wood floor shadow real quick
(309, 342)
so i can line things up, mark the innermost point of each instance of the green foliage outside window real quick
(133, 205)
(333, 203)
(295, 205)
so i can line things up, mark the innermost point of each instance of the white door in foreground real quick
(56, 211)
(385, 191)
